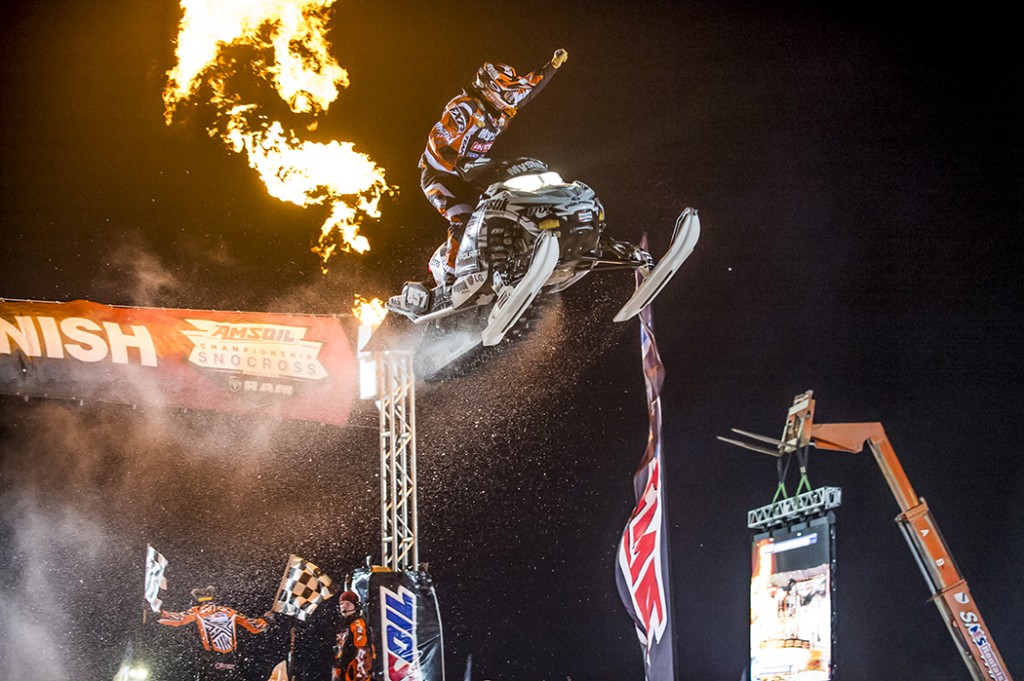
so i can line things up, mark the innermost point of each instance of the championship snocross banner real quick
(289, 366)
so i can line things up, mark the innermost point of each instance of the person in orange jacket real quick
(217, 632)
(354, 652)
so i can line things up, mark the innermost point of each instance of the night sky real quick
(859, 181)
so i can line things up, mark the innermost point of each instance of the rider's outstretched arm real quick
(540, 78)
(177, 619)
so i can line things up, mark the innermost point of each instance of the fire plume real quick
(369, 312)
(288, 43)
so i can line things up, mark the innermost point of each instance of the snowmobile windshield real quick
(533, 181)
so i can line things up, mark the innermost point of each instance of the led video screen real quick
(791, 603)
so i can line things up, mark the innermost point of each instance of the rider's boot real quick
(418, 298)
(412, 302)
(430, 295)
(434, 294)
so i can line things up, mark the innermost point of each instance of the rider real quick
(216, 624)
(458, 144)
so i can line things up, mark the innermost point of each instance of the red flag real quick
(642, 557)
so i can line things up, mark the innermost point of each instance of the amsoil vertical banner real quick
(406, 624)
(290, 366)
(642, 575)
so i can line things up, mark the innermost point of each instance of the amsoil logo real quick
(398, 627)
(266, 350)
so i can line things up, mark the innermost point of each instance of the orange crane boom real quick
(949, 589)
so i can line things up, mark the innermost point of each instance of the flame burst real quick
(288, 40)
(369, 312)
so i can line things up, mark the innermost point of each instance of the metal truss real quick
(804, 505)
(396, 402)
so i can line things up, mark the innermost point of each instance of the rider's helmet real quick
(204, 595)
(348, 602)
(501, 87)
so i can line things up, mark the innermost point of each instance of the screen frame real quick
(820, 524)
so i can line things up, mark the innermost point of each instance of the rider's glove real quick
(559, 58)
(478, 172)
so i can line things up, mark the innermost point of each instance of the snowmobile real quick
(532, 233)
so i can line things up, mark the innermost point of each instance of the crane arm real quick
(949, 589)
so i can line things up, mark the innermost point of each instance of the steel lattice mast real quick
(396, 403)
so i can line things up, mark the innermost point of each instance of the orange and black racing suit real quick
(465, 133)
(354, 652)
(216, 624)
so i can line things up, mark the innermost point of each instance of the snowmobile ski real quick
(684, 239)
(511, 305)
(531, 236)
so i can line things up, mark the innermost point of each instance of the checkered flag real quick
(303, 587)
(155, 580)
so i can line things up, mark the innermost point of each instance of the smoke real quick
(134, 274)
(226, 499)
(37, 587)
(135, 271)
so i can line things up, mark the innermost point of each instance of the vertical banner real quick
(289, 366)
(406, 623)
(642, 575)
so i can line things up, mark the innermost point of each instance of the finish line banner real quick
(289, 366)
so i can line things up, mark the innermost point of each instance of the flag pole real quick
(291, 652)
(663, 471)
(654, 376)
(668, 544)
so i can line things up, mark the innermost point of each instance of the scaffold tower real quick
(396, 403)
